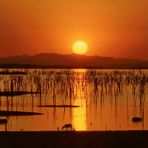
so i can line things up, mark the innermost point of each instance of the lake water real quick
(107, 99)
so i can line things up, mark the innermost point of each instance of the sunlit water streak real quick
(79, 114)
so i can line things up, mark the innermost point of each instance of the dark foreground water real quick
(78, 139)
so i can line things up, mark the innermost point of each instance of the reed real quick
(69, 83)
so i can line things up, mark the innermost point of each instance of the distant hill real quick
(53, 60)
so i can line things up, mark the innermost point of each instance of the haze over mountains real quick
(70, 61)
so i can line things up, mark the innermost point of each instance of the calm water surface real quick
(108, 99)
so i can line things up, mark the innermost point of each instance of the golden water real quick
(99, 109)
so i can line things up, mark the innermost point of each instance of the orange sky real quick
(110, 27)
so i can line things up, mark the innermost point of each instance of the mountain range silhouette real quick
(55, 60)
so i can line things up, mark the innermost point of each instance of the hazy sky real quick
(117, 28)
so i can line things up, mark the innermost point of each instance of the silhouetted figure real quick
(67, 126)
(4, 121)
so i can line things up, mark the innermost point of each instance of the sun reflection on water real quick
(79, 114)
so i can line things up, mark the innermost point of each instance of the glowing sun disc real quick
(79, 47)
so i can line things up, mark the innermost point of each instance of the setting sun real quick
(80, 47)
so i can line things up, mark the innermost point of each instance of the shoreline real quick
(74, 139)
